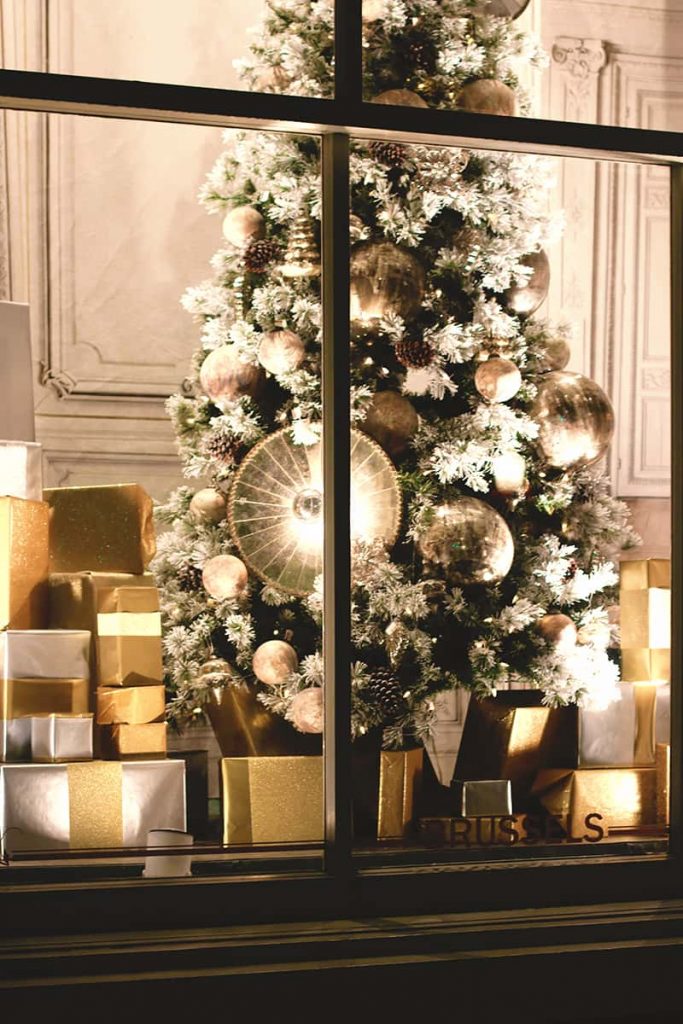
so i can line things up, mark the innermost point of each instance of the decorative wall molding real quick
(583, 60)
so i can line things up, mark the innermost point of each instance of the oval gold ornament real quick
(385, 280)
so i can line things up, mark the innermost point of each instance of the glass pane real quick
(284, 46)
(511, 372)
(175, 337)
(561, 61)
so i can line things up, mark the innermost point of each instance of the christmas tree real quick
(483, 527)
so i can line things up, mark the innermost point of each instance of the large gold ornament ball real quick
(273, 661)
(503, 8)
(400, 98)
(555, 356)
(575, 418)
(469, 541)
(392, 421)
(224, 577)
(487, 96)
(385, 279)
(497, 380)
(306, 710)
(525, 299)
(281, 352)
(243, 224)
(224, 376)
(208, 506)
(558, 630)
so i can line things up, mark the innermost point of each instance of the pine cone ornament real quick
(414, 352)
(189, 577)
(385, 691)
(258, 256)
(390, 153)
(222, 447)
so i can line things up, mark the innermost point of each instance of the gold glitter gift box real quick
(400, 775)
(100, 529)
(93, 804)
(126, 646)
(624, 797)
(272, 799)
(23, 563)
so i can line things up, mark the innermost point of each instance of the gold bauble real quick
(391, 420)
(301, 258)
(525, 299)
(400, 98)
(497, 380)
(208, 506)
(575, 418)
(469, 541)
(273, 661)
(558, 630)
(224, 577)
(384, 280)
(556, 354)
(306, 710)
(214, 671)
(224, 377)
(243, 224)
(487, 96)
(509, 474)
(276, 504)
(503, 8)
(281, 352)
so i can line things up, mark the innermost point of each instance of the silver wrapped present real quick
(62, 738)
(21, 470)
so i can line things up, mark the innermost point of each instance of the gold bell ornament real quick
(302, 258)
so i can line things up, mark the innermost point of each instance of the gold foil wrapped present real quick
(23, 563)
(663, 770)
(93, 804)
(133, 741)
(400, 775)
(272, 799)
(131, 705)
(624, 797)
(101, 529)
(645, 620)
(512, 736)
(122, 612)
(21, 698)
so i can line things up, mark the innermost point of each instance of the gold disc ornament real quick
(575, 419)
(469, 542)
(385, 280)
(487, 96)
(225, 577)
(276, 503)
(525, 299)
(273, 661)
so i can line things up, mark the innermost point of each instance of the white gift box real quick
(21, 470)
(612, 736)
(87, 805)
(61, 737)
(173, 866)
(15, 739)
(45, 654)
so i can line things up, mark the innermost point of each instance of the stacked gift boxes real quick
(80, 639)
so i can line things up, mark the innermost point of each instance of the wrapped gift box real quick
(45, 653)
(62, 738)
(15, 739)
(272, 799)
(625, 797)
(663, 773)
(122, 612)
(21, 470)
(102, 529)
(132, 705)
(626, 732)
(133, 741)
(400, 775)
(482, 797)
(23, 563)
(645, 620)
(92, 804)
(512, 736)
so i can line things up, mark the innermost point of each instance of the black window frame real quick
(37, 902)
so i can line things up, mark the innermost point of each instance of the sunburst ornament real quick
(276, 507)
